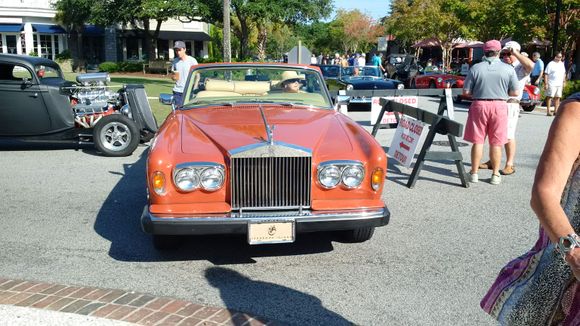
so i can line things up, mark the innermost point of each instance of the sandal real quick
(509, 169)
(485, 166)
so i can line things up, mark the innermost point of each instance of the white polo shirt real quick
(555, 72)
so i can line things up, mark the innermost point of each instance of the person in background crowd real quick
(361, 60)
(538, 71)
(336, 60)
(542, 286)
(489, 82)
(351, 60)
(377, 60)
(180, 68)
(313, 59)
(571, 69)
(554, 81)
(511, 55)
(344, 61)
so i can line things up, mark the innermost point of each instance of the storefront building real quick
(28, 27)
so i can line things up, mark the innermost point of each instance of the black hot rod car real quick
(38, 104)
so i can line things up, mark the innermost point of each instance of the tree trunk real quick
(262, 40)
(147, 41)
(227, 36)
(244, 36)
(80, 64)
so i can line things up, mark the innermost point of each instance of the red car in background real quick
(437, 80)
(530, 99)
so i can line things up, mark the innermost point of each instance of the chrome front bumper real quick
(236, 223)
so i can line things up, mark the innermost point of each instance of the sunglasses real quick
(295, 80)
(505, 54)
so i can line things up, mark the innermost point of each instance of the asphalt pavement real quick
(71, 217)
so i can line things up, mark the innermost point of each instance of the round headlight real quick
(439, 79)
(536, 90)
(401, 86)
(187, 179)
(212, 179)
(352, 176)
(329, 176)
(349, 87)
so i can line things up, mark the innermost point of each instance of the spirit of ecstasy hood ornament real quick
(269, 129)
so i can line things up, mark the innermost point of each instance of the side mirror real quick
(342, 100)
(166, 99)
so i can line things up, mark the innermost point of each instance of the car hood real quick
(229, 128)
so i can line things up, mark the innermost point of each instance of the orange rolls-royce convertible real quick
(260, 150)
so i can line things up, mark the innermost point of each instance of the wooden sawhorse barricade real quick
(438, 124)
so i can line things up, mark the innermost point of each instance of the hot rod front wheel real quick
(116, 135)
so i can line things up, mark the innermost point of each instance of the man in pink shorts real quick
(490, 83)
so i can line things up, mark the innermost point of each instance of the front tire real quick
(359, 235)
(116, 135)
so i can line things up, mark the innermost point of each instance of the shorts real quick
(487, 119)
(554, 91)
(513, 115)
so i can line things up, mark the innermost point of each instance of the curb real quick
(132, 307)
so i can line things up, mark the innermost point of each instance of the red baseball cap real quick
(492, 45)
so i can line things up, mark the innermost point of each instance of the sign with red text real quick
(389, 117)
(407, 136)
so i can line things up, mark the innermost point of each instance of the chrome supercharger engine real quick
(92, 99)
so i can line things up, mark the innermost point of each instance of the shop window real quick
(46, 46)
(163, 49)
(11, 44)
(198, 48)
(132, 49)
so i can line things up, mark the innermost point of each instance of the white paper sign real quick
(449, 102)
(407, 136)
(389, 117)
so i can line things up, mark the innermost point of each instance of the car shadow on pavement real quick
(18, 145)
(283, 304)
(118, 221)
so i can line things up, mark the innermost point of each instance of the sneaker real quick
(509, 169)
(473, 177)
(495, 179)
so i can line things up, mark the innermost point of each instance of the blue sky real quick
(373, 8)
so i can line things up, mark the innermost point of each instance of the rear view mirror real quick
(342, 99)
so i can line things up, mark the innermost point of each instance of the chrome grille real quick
(270, 182)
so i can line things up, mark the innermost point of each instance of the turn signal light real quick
(158, 181)
(377, 178)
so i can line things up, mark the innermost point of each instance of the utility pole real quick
(227, 39)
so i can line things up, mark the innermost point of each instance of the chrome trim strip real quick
(237, 151)
(306, 217)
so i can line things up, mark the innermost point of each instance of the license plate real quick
(264, 232)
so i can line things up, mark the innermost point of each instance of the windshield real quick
(358, 72)
(230, 85)
(47, 73)
(330, 71)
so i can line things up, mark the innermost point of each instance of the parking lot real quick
(71, 216)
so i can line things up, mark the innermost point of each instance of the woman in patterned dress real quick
(542, 286)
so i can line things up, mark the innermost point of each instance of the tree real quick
(73, 14)
(358, 31)
(141, 13)
(436, 19)
(260, 14)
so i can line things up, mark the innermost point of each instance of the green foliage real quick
(33, 54)
(572, 86)
(64, 55)
(127, 66)
(108, 66)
